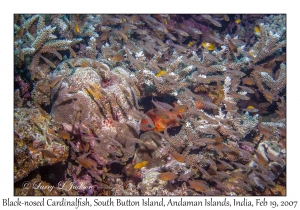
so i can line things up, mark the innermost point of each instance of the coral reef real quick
(34, 144)
(151, 104)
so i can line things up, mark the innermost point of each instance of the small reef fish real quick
(257, 30)
(141, 31)
(114, 176)
(261, 160)
(161, 105)
(167, 176)
(48, 62)
(181, 32)
(215, 22)
(208, 46)
(140, 165)
(90, 165)
(199, 104)
(73, 53)
(248, 81)
(84, 64)
(221, 167)
(104, 36)
(268, 95)
(238, 21)
(227, 165)
(282, 131)
(226, 18)
(64, 135)
(50, 138)
(264, 104)
(212, 164)
(77, 28)
(161, 73)
(103, 185)
(132, 19)
(191, 44)
(121, 34)
(86, 147)
(48, 154)
(95, 175)
(232, 46)
(177, 156)
(114, 20)
(163, 118)
(205, 140)
(283, 143)
(204, 172)
(198, 185)
(94, 91)
(265, 131)
(171, 36)
(194, 30)
(117, 57)
(161, 114)
(251, 109)
(128, 26)
(180, 109)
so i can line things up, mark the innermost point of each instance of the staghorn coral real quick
(268, 85)
(220, 80)
(269, 43)
(30, 42)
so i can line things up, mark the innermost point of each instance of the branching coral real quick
(34, 42)
(269, 43)
(270, 86)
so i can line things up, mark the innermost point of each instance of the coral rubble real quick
(150, 104)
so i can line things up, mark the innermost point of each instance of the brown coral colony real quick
(150, 104)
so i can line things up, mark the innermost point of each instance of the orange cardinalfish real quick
(117, 57)
(163, 118)
(104, 36)
(177, 156)
(90, 165)
(48, 154)
(167, 176)
(198, 185)
(64, 135)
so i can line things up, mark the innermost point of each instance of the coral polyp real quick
(150, 104)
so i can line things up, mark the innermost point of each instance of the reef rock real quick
(86, 91)
(33, 147)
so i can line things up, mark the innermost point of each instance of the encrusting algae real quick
(150, 104)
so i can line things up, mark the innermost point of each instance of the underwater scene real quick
(159, 104)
